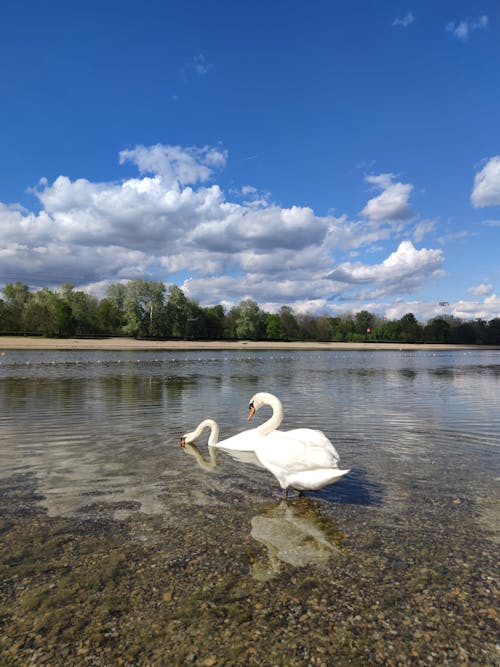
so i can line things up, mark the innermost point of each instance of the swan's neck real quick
(276, 418)
(214, 431)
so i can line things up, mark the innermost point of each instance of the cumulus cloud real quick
(405, 21)
(172, 220)
(175, 164)
(468, 310)
(462, 29)
(403, 271)
(481, 290)
(392, 203)
(486, 191)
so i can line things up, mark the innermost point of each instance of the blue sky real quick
(329, 156)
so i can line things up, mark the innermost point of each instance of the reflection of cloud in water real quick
(295, 533)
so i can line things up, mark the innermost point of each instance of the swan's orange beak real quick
(182, 441)
(251, 411)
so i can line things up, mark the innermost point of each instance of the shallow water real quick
(404, 544)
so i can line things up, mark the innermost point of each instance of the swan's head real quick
(187, 438)
(260, 399)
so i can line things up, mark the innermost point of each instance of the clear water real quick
(106, 425)
(120, 547)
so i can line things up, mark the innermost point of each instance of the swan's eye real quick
(250, 405)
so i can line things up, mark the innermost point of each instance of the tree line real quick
(148, 309)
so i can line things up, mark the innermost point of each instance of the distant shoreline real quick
(113, 343)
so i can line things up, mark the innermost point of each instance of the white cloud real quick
(481, 290)
(171, 220)
(422, 229)
(197, 66)
(471, 310)
(392, 203)
(176, 164)
(404, 271)
(462, 29)
(405, 21)
(486, 190)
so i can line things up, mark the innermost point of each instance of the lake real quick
(117, 544)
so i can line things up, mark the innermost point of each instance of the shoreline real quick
(116, 343)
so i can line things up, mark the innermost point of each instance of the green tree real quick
(390, 331)
(17, 297)
(437, 330)
(83, 309)
(177, 312)
(289, 323)
(494, 331)
(410, 329)
(214, 322)
(144, 312)
(463, 334)
(274, 329)
(249, 323)
(109, 317)
(363, 321)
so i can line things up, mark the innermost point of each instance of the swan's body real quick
(302, 458)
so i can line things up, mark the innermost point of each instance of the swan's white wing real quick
(296, 454)
(314, 438)
(315, 479)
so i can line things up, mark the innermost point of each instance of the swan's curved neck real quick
(276, 418)
(214, 431)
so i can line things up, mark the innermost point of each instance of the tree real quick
(109, 317)
(177, 312)
(83, 309)
(17, 297)
(363, 321)
(390, 331)
(346, 327)
(274, 329)
(494, 331)
(464, 334)
(410, 329)
(289, 323)
(214, 322)
(143, 307)
(437, 330)
(249, 323)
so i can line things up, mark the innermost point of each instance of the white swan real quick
(239, 448)
(303, 458)
(245, 441)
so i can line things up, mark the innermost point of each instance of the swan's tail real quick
(315, 479)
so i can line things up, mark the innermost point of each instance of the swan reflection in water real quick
(210, 463)
(293, 532)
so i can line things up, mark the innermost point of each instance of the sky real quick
(330, 156)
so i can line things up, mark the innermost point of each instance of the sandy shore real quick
(35, 343)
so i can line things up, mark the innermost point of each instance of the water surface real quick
(89, 450)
